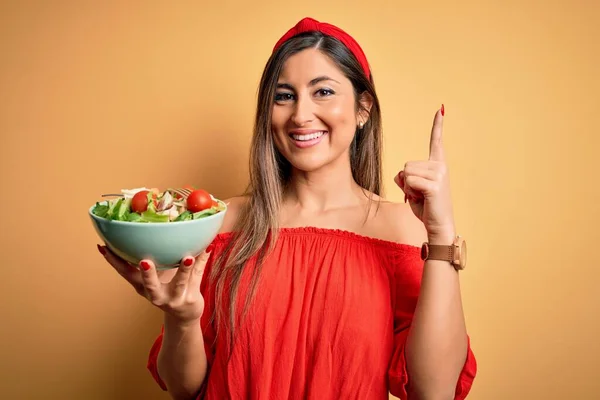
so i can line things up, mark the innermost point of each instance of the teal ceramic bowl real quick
(166, 244)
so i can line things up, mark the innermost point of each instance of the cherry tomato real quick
(139, 201)
(199, 200)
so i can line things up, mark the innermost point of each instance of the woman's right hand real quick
(175, 291)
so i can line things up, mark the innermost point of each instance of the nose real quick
(303, 111)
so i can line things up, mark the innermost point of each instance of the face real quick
(314, 114)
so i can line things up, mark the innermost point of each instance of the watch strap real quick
(454, 253)
(441, 252)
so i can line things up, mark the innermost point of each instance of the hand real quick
(426, 186)
(175, 291)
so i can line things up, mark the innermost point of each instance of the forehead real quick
(304, 66)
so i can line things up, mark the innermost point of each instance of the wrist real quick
(441, 238)
(172, 322)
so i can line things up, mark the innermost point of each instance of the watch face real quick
(463, 254)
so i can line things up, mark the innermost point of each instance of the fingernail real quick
(188, 261)
(443, 110)
(145, 265)
(210, 248)
(101, 249)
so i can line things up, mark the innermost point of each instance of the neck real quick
(330, 187)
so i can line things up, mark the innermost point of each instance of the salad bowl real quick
(160, 226)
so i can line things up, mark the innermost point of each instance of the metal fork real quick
(184, 193)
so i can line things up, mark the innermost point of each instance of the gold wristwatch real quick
(455, 254)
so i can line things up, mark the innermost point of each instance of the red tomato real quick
(139, 202)
(199, 200)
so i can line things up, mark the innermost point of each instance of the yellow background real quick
(99, 96)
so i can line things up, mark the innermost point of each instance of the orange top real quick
(329, 321)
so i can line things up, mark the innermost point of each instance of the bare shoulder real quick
(397, 222)
(235, 205)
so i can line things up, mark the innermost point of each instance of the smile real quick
(309, 136)
(306, 138)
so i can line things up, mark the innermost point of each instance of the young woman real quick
(317, 287)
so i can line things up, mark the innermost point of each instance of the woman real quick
(315, 288)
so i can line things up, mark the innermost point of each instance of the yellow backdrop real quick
(98, 96)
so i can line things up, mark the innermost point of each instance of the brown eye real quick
(283, 97)
(325, 92)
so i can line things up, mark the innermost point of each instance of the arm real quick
(181, 356)
(432, 358)
(436, 347)
(182, 363)
(437, 343)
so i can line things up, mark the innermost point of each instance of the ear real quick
(366, 102)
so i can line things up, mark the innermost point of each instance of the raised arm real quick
(437, 346)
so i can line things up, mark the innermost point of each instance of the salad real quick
(151, 205)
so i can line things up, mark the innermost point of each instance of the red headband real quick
(309, 24)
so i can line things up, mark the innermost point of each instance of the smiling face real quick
(315, 112)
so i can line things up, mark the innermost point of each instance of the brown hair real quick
(256, 229)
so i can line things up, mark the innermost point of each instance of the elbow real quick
(437, 378)
(174, 387)
(431, 392)
(182, 394)
(433, 387)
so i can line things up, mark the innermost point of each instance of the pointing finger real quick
(436, 149)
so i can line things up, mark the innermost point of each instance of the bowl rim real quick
(172, 223)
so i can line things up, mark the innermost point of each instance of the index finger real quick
(126, 270)
(436, 148)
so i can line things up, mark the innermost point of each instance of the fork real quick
(184, 193)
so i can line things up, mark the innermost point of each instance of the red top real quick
(329, 321)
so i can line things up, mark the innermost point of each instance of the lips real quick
(310, 136)
(306, 134)
(306, 137)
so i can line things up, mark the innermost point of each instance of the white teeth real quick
(310, 136)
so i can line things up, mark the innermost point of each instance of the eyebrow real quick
(313, 82)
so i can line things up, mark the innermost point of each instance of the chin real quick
(307, 165)
(310, 162)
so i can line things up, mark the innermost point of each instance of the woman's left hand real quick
(426, 186)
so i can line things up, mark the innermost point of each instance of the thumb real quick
(400, 180)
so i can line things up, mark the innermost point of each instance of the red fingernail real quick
(210, 248)
(101, 249)
(187, 262)
(443, 110)
(145, 265)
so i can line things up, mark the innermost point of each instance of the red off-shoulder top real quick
(329, 320)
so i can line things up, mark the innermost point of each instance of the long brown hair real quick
(256, 230)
